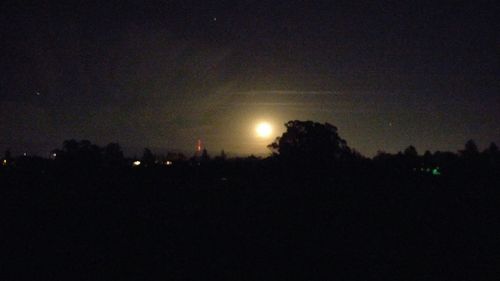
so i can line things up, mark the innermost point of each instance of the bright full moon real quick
(264, 130)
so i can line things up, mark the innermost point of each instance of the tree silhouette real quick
(89, 153)
(492, 155)
(410, 157)
(113, 154)
(204, 155)
(70, 147)
(148, 158)
(470, 150)
(79, 155)
(78, 151)
(411, 151)
(310, 142)
(492, 149)
(221, 157)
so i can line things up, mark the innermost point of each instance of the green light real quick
(436, 172)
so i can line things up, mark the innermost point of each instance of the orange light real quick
(198, 146)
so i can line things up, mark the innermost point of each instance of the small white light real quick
(168, 163)
(136, 163)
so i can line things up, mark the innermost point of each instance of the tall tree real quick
(204, 155)
(470, 150)
(148, 158)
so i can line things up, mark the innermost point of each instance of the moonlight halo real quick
(263, 130)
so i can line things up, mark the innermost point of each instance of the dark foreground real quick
(248, 222)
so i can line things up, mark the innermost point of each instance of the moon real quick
(264, 130)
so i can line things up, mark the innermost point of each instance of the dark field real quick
(248, 220)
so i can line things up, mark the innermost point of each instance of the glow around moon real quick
(264, 130)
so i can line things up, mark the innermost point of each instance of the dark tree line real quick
(84, 153)
(313, 145)
(306, 144)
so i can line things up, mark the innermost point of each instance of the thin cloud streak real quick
(284, 92)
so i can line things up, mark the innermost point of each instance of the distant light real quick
(436, 172)
(198, 146)
(4, 162)
(54, 154)
(215, 19)
(136, 163)
(168, 163)
(25, 154)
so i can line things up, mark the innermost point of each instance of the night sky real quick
(164, 74)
